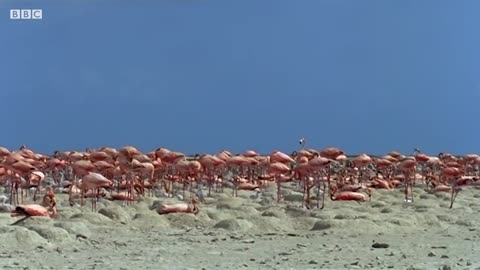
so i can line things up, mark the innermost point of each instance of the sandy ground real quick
(248, 233)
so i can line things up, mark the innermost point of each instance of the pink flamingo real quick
(278, 169)
(93, 181)
(179, 208)
(408, 168)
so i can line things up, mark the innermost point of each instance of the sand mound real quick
(386, 210)
(267, 224)
(430, 220)
(303, 223)
(426, 196)
(269, 194)
(92, 218)
(115, 213)
(5, 219)
(275, 213)
(138, 207)
(294, 197)
(149, 219)
(267, 201)
(35, 221)
(183, 220)
(400, 222)
(442, 195)
(234, 225)
(244, 211)
(362, 223)
(465, 223)
(249, 195)
(67, 212)
(147, 200)
(77, 229)
(20, 237)
(321, 215)
(422, 207)
(378, 204)
(321, 225)
(293, 211)
(230, 203)
(53, 234)
(220, 196)
(446, 218)
(217, 215)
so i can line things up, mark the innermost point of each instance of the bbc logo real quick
(26, 14)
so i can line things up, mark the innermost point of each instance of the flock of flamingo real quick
(127, 174)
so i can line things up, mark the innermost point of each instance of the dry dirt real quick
(248, 233)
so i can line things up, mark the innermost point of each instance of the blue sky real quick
(201, 76)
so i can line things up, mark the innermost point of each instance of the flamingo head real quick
(333, 189)
(19, 211)
(195, 210)
(50, 193)
(194, 200)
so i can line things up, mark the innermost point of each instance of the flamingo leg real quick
(303, 187)
(19, 221)
(83, 193)
(209, 187)
(11, 192)
(16, 194)
(323, 195)
(94, 199)
(407, 188)
(279, 187)
(411, 184)
(70, 199)
(453, 196)
(318, 191)
(35, 193)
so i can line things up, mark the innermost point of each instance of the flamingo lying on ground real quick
(350, 195)
(179, 208)
(29, 210)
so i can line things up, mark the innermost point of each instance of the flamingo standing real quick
(36, 178)
(278, 169)
(317, 165)
(408, 167)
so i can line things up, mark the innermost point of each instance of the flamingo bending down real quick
(92, 181)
